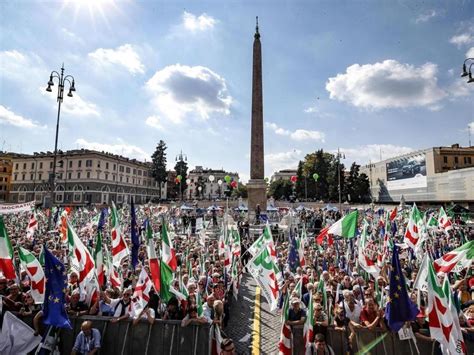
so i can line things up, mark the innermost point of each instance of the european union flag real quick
(400, 308)
(103, 214)
(134, 234)
(55, 295)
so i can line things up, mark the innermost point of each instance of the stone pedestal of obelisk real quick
(257, 187)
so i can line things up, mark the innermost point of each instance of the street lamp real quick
(61, 82)
(211, 179)
(219, 182)
(181, 157)
(339, 156)
(465, 72)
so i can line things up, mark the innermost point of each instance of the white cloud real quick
(121, 148)
(195, 23)
(297, 135)
(426, 16)
(124, 56)
(8, 117)
(372, 152)
(460, 88)
(470, 53)
(283, 160)
(462, 39)
(471, 127)
(75, 105)
(388, 84)
(23, 68)
(311, 109)
(71, 36)
(179, 90)
(154, 121)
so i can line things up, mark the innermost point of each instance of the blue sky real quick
(374, 78)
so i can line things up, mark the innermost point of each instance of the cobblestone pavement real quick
(240, 324)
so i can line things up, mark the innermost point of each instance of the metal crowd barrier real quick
(390, 345)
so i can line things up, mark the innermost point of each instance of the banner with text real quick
(16, 208)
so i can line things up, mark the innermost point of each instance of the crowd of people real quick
(344, 295)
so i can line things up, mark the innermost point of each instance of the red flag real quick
(393, 214)
(323, 234)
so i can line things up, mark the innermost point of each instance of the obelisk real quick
(257, 188)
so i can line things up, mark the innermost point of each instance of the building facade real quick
(285, 174)
(200, 187)
(5, 176)
(83, 177)
(433, 175)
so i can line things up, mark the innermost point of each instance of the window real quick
(469, 161)
(133, 181)
(456, 160)
(145, 173)
(79, 175)
(32, 166)
(127, 179)
(39, 177)
(79, 163)
(50, 164)
(98, 164)
(115, 167)
(69, 175)
(16, 166)
(445, 159)
(88, 174)
(106, 176)
(113, 177)
(139, 173)
(32, 176)
(134, 171)
(106, 165)
(16, 177)
(24, 166)
(60, 176)
(122, 168)
(6, 179)
(98, 175)
(23, 177)
(41, 165)
(120, 178)
(88, 163)
(70, 163)
(127, 170)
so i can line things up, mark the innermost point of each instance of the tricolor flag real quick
(32, 226)
(345, 227)
(99, 259)
(141, 294)
(444, 221)
(462, 257)
(414, 227)
(6, 253)
(168, 253)
(119, 247)
(308, 325)
(365, 261)
(35, 273)
(284, 345)
(440, 318)
(81, 259)
(113, 276)
(152, 257)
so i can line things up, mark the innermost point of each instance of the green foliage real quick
(240, 191)
(281, 189)
(181, 168)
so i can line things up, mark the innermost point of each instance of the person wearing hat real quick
(421, 330)
(296, 315)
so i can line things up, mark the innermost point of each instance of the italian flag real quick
(440, 316)
(200, 309)
(81, 259)
(99, 260)
(119, 247)
(300, 242)
(167, 251)
(166, 277)
(235, 277)
(35, 273)
(365, 262)
(308, 324)
(462, 257)
(6, 253)
(457, 341)
(284, 345)
(32, 226)
(413, 231)
(444, 221)
(112, 275)
(152, 257)
(346, 226)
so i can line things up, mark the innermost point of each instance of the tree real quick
(240, 191)
(334, 180)
(281, 189)
(352, 182)
(158, 168)
(300, 193)
(181, 168)
(362, 188)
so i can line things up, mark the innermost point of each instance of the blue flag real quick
(134, 234)
(55, 295)
(103, 215)
(400, 307)
(293, 258)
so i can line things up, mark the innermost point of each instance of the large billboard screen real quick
(407, 172)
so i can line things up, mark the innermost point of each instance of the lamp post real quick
(200, 189)
(61, 82)
(211, 179)
(465, 72)
(219, 182)
(339, 156)
(181, 158)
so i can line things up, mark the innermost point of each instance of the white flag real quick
(17, 337)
